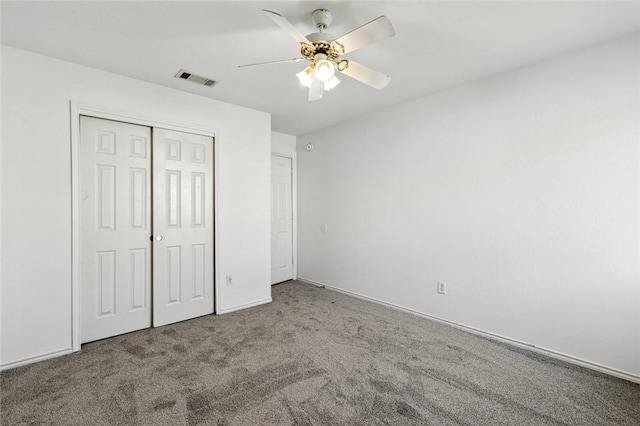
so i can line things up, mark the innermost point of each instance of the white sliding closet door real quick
(146, 227)
(115, 225)
(182, 226)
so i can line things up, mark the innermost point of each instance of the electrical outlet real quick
(442, 287)
(229, 279)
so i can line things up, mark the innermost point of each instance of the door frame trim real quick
(77, 109)
(294, 208)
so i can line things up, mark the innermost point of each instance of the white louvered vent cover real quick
(186, 75)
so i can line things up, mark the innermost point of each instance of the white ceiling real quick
(438, 45)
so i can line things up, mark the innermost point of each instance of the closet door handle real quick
(158, 238)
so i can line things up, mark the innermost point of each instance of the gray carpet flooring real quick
(312, 357)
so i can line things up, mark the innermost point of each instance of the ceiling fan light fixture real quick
(306, 76)
(325, 70)
(331, 83)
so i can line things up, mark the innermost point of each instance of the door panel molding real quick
(78, 109)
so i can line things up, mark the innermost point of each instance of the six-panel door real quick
(115, 224)
(281, 220)
(182, 226)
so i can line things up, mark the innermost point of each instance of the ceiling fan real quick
(324, 51)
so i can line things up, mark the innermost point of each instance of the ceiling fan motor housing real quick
(321, 42)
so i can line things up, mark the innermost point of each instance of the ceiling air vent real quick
(203, 81)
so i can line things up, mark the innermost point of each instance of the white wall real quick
(520, 191)
(36, 191)
(282, 143)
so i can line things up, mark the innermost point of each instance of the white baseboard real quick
(549, 352)
(36, 358)
(244, 306)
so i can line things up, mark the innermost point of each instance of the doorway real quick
(146, 231)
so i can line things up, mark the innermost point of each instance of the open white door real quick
(182, 226)
(115, 222)
(281, 220)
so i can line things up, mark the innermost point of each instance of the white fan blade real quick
(286, 25)
(378, 29)
(272, 62)
(375, 79)
(316, 90)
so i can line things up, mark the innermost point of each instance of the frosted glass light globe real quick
(324, 70)
(306, 76)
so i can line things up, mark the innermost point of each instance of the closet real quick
(146, 227)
